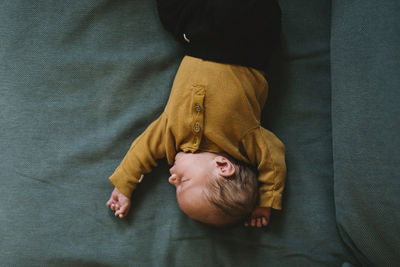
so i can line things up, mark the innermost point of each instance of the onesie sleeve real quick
(267, 152)
(141, 157)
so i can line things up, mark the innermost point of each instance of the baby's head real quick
(213, 188)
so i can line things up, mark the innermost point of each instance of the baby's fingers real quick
(261, 221)
(259, 225)
(112, 205)
(110, 202)
(121, 213)
(256, 222)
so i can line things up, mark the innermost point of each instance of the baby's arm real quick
(141, 157)
(266, 152)
(119, 203)
(259, 217)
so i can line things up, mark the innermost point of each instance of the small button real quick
(196, 127)
(197, 108)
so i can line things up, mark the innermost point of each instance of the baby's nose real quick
(173, 179)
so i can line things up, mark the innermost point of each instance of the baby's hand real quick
(119, 203)
(259, 217)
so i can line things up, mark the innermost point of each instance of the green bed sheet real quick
(79, 80)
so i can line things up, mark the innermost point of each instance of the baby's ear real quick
(225, 167)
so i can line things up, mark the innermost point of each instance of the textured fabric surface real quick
(366, 126)
(80, 80)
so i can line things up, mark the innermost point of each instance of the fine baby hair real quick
(235, 197)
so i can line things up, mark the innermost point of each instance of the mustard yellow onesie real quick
(212, 107)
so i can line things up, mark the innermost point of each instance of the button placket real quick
(197, 108)
(198, 114)
(196, 127)
(196, 141)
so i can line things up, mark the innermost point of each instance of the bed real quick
(79, 80)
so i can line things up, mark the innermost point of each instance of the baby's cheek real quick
(178, 191)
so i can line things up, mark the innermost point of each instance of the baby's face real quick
(191, 170)
(189, 175)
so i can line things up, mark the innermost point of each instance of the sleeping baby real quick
(226, 167)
